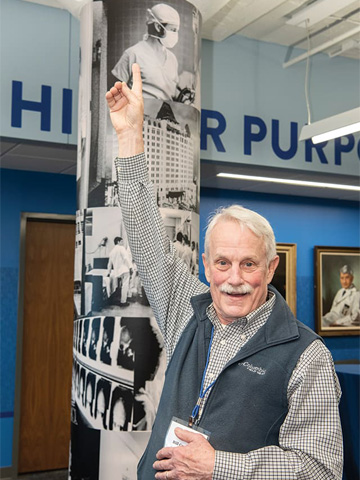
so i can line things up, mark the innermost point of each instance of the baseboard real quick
(8, 473)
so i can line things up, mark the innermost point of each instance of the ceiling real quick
(329, 26)
(38, 156)
(285, 22)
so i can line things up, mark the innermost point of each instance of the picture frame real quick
(285, 276)
(337, 298)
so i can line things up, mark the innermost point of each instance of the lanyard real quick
(194, 414)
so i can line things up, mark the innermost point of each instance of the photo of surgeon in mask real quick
(159, 66)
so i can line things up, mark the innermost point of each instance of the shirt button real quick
(223, 342)
(243, 337)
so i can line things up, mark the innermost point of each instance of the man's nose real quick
(236, 275)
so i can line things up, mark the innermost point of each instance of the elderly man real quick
(242, 370)
(345, 308)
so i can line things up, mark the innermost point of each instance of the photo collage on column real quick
(118, 351)
(171, 91)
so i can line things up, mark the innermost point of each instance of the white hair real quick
(347, 269)
(245, 218)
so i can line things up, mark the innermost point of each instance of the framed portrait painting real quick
(337, 295)
(285, 276)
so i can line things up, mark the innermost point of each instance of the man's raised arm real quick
(166, 279)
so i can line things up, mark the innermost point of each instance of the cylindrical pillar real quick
(118, 353)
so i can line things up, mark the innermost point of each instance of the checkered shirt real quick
(310, 438)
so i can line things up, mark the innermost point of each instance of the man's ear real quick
(206, 267)
(272, 267)
(159, 28)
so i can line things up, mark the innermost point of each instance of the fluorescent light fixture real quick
(317, 11)
(332, 127)
(301, 183)
(324, 46)
(343, 47)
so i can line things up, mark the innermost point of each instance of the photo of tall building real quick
(170, 156)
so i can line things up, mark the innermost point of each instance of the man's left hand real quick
(193, 461)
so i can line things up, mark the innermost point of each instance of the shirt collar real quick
(264, 309)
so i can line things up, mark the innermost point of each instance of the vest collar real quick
(280, 327)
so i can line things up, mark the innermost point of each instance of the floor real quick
(53, 475)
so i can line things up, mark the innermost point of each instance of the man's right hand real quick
(126, 109)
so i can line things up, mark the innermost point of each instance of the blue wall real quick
(20, 192)
(304, 221)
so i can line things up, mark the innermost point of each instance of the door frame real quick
(12, 472)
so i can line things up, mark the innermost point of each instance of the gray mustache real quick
(240, 289)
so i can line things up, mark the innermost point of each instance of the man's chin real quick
(234, 312)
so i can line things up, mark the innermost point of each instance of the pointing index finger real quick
(137, 83)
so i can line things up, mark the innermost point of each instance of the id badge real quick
(171, 440)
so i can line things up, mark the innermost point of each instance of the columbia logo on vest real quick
(252, 368)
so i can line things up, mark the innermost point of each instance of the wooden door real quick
(47, 345)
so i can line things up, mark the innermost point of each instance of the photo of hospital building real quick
(170, 156)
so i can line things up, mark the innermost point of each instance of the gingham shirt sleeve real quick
(310, 439)
(167, 282)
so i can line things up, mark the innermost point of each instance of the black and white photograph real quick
(182, 228)
(118, 372)
(141, 349)
(120, 409)
(96, 375)
(171, 137)
(164, 39)
(337, 273)
(108, 281)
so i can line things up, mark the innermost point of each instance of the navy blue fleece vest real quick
(248, 402)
